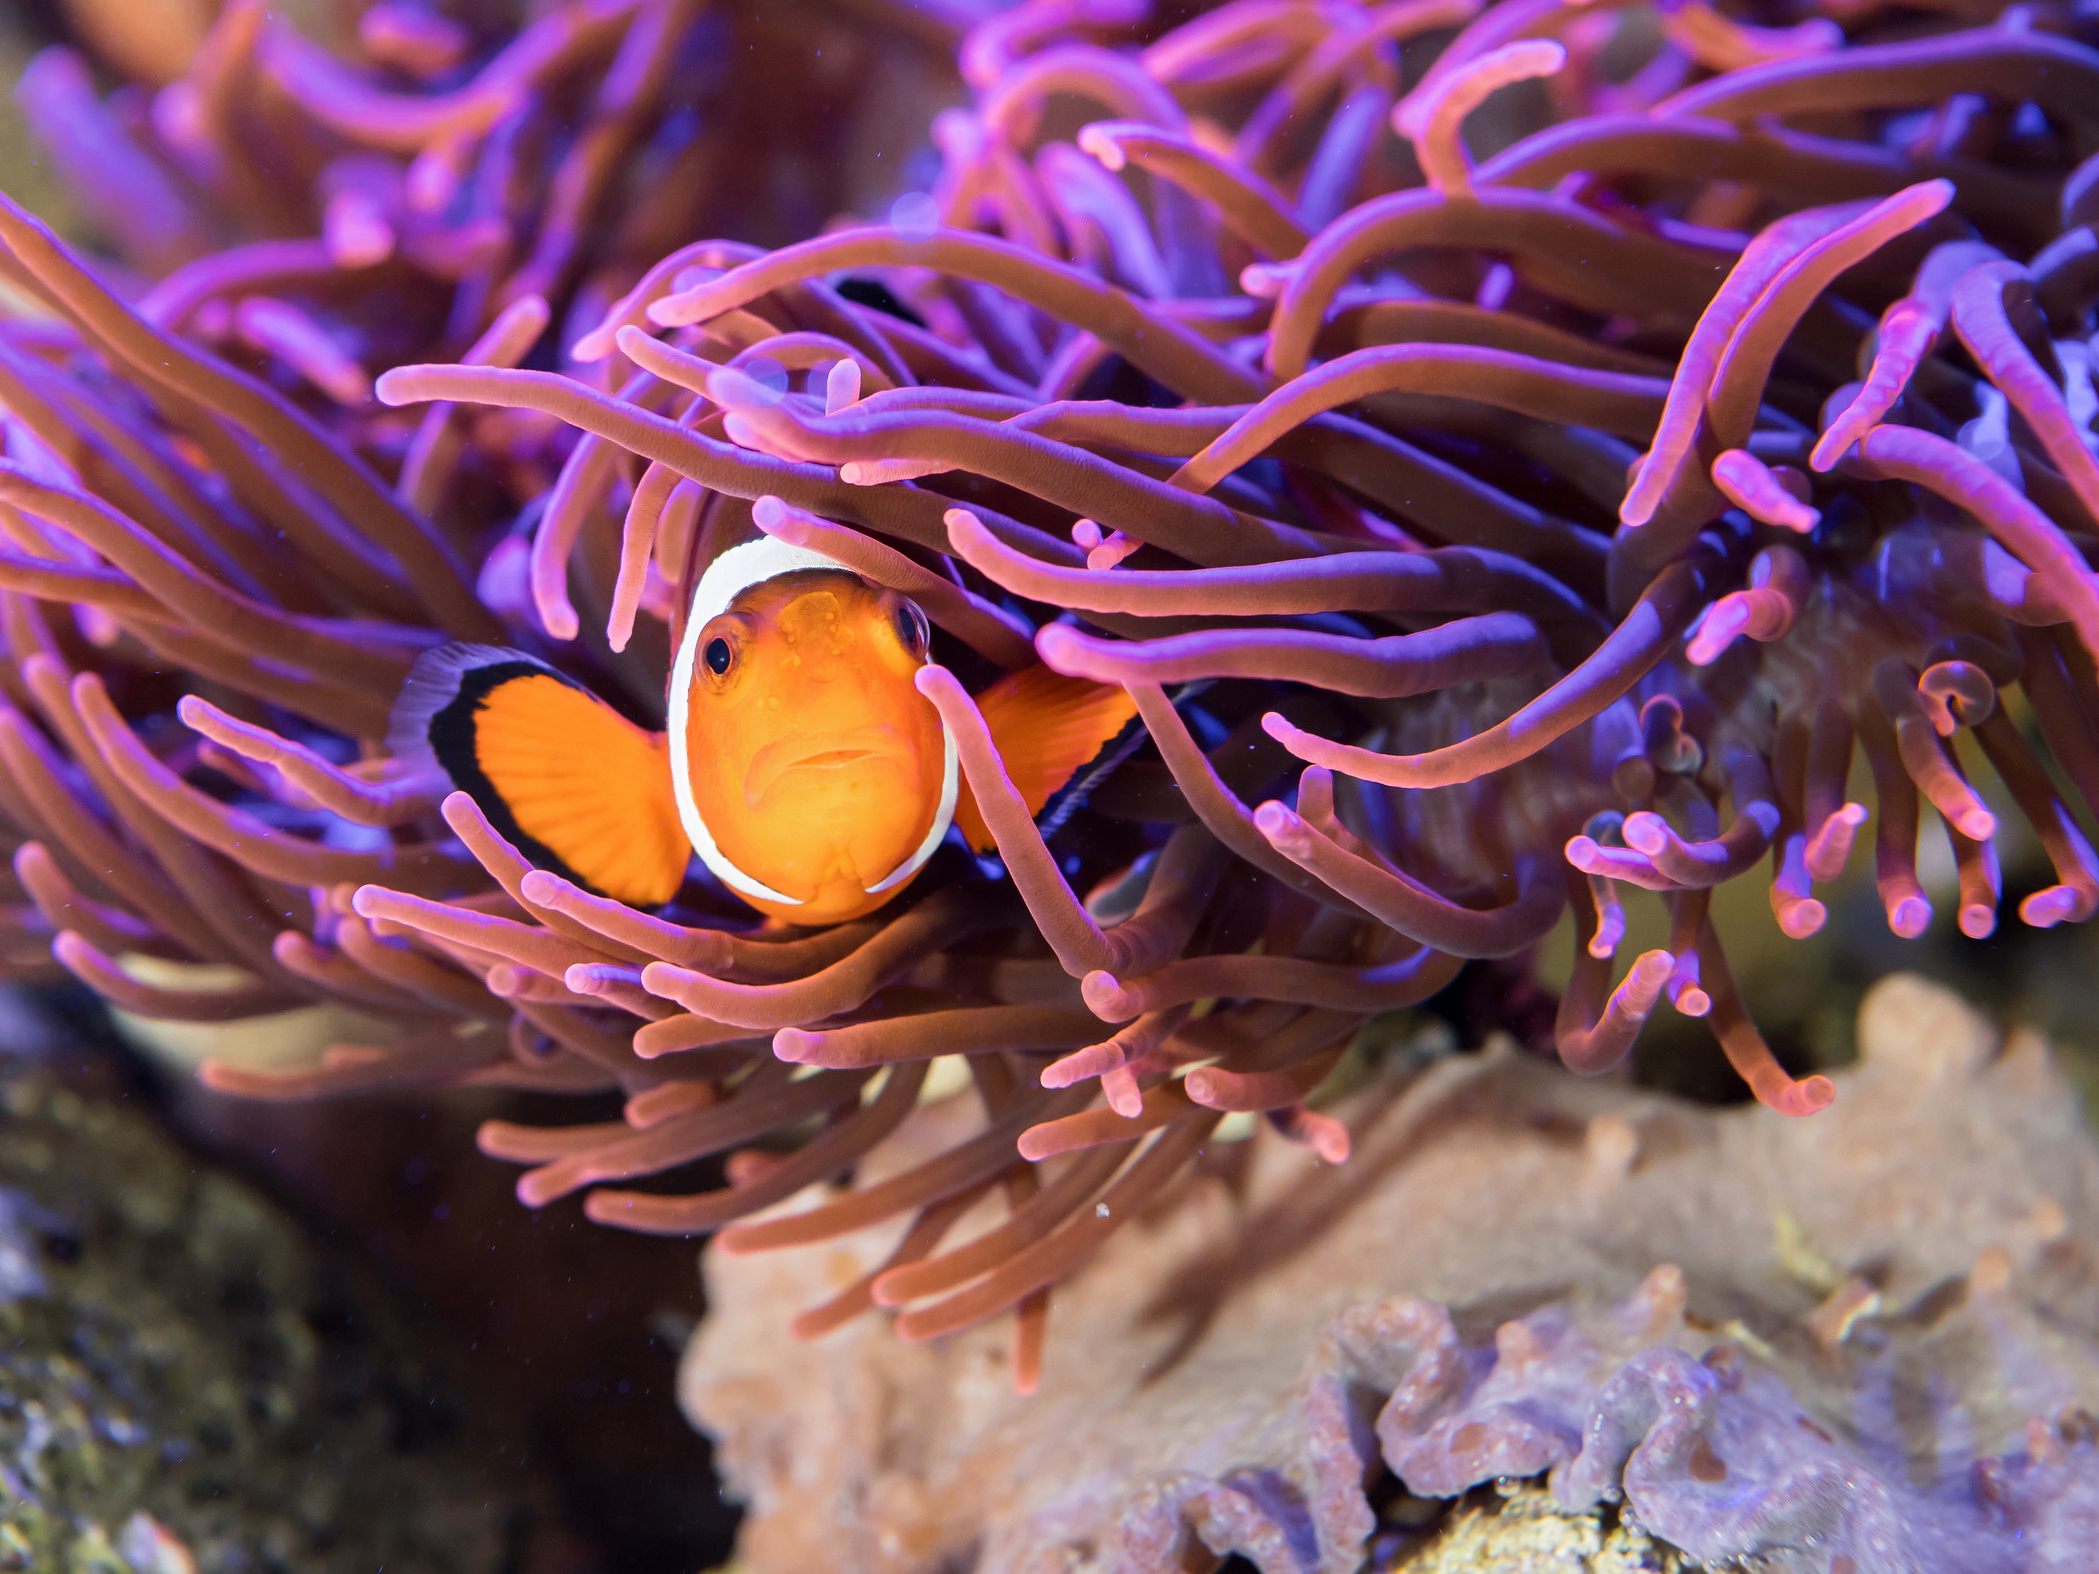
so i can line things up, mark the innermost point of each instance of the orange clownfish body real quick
(801, 764)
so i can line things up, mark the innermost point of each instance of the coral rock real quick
(185, 1385)
(1863, 1341)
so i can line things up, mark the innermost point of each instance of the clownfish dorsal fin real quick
(1048, 728)
(574, 784)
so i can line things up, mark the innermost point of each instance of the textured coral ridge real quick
(1863, 1343)
(1482, 538)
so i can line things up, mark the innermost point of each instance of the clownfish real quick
(800, 763)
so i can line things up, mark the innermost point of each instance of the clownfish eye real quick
(912, 629)
(718, 656)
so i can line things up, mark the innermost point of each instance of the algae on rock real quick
(1517, 1528)
(186, 1384)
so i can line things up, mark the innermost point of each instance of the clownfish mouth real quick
(832, 751)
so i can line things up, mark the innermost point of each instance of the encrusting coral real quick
(1479, 537)
(1860, 1343)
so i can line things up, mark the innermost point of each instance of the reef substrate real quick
(188, 1382)
(1861, 1343)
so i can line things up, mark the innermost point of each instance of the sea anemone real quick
(1480, 534)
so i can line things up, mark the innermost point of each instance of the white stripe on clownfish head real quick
(727, 577)
(943, 817)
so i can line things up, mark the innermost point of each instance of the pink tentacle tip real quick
(1283, 730)
(884, 472)
(1433, 116)
(1111, 552)
(2055, 904)
(492, 1139)
(1829, 849)
(1724, 622)
(1585, 853)
(1285, 829)
(966, 532)
(1603, 945)
(1099, 144)
(610, 1207)
(1978, 920)
(748, 1166)
(1974, 822)
(1685, 992)
(559, 620)
(1798, 916)
(797, 1046)
(1909, 916)
(662, 980)
(592, 978)
(727, 386)
(1060, 646)
(1807, 1096)
(1641, 989)
(1264, 281)
(1323, 1134)
(1954, 694)
(542, 888)
(1081, 1065)
(841, 386)
(396, 387)
(1106, 998)
(537, 1188)
(1124, 1096)
(1775, 497)
(1647, 832)
(781, 520)
(1035, 1144)
(508, 981)
(98, 628)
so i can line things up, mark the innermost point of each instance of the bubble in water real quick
(769, 377)
(915, 214)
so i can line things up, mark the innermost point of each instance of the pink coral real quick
(1863, 1341)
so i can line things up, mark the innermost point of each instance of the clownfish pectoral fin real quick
(1049, 730)
(575, 785)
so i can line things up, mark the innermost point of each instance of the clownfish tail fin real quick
(1058, 736)
(437, 679)
(575, 785)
